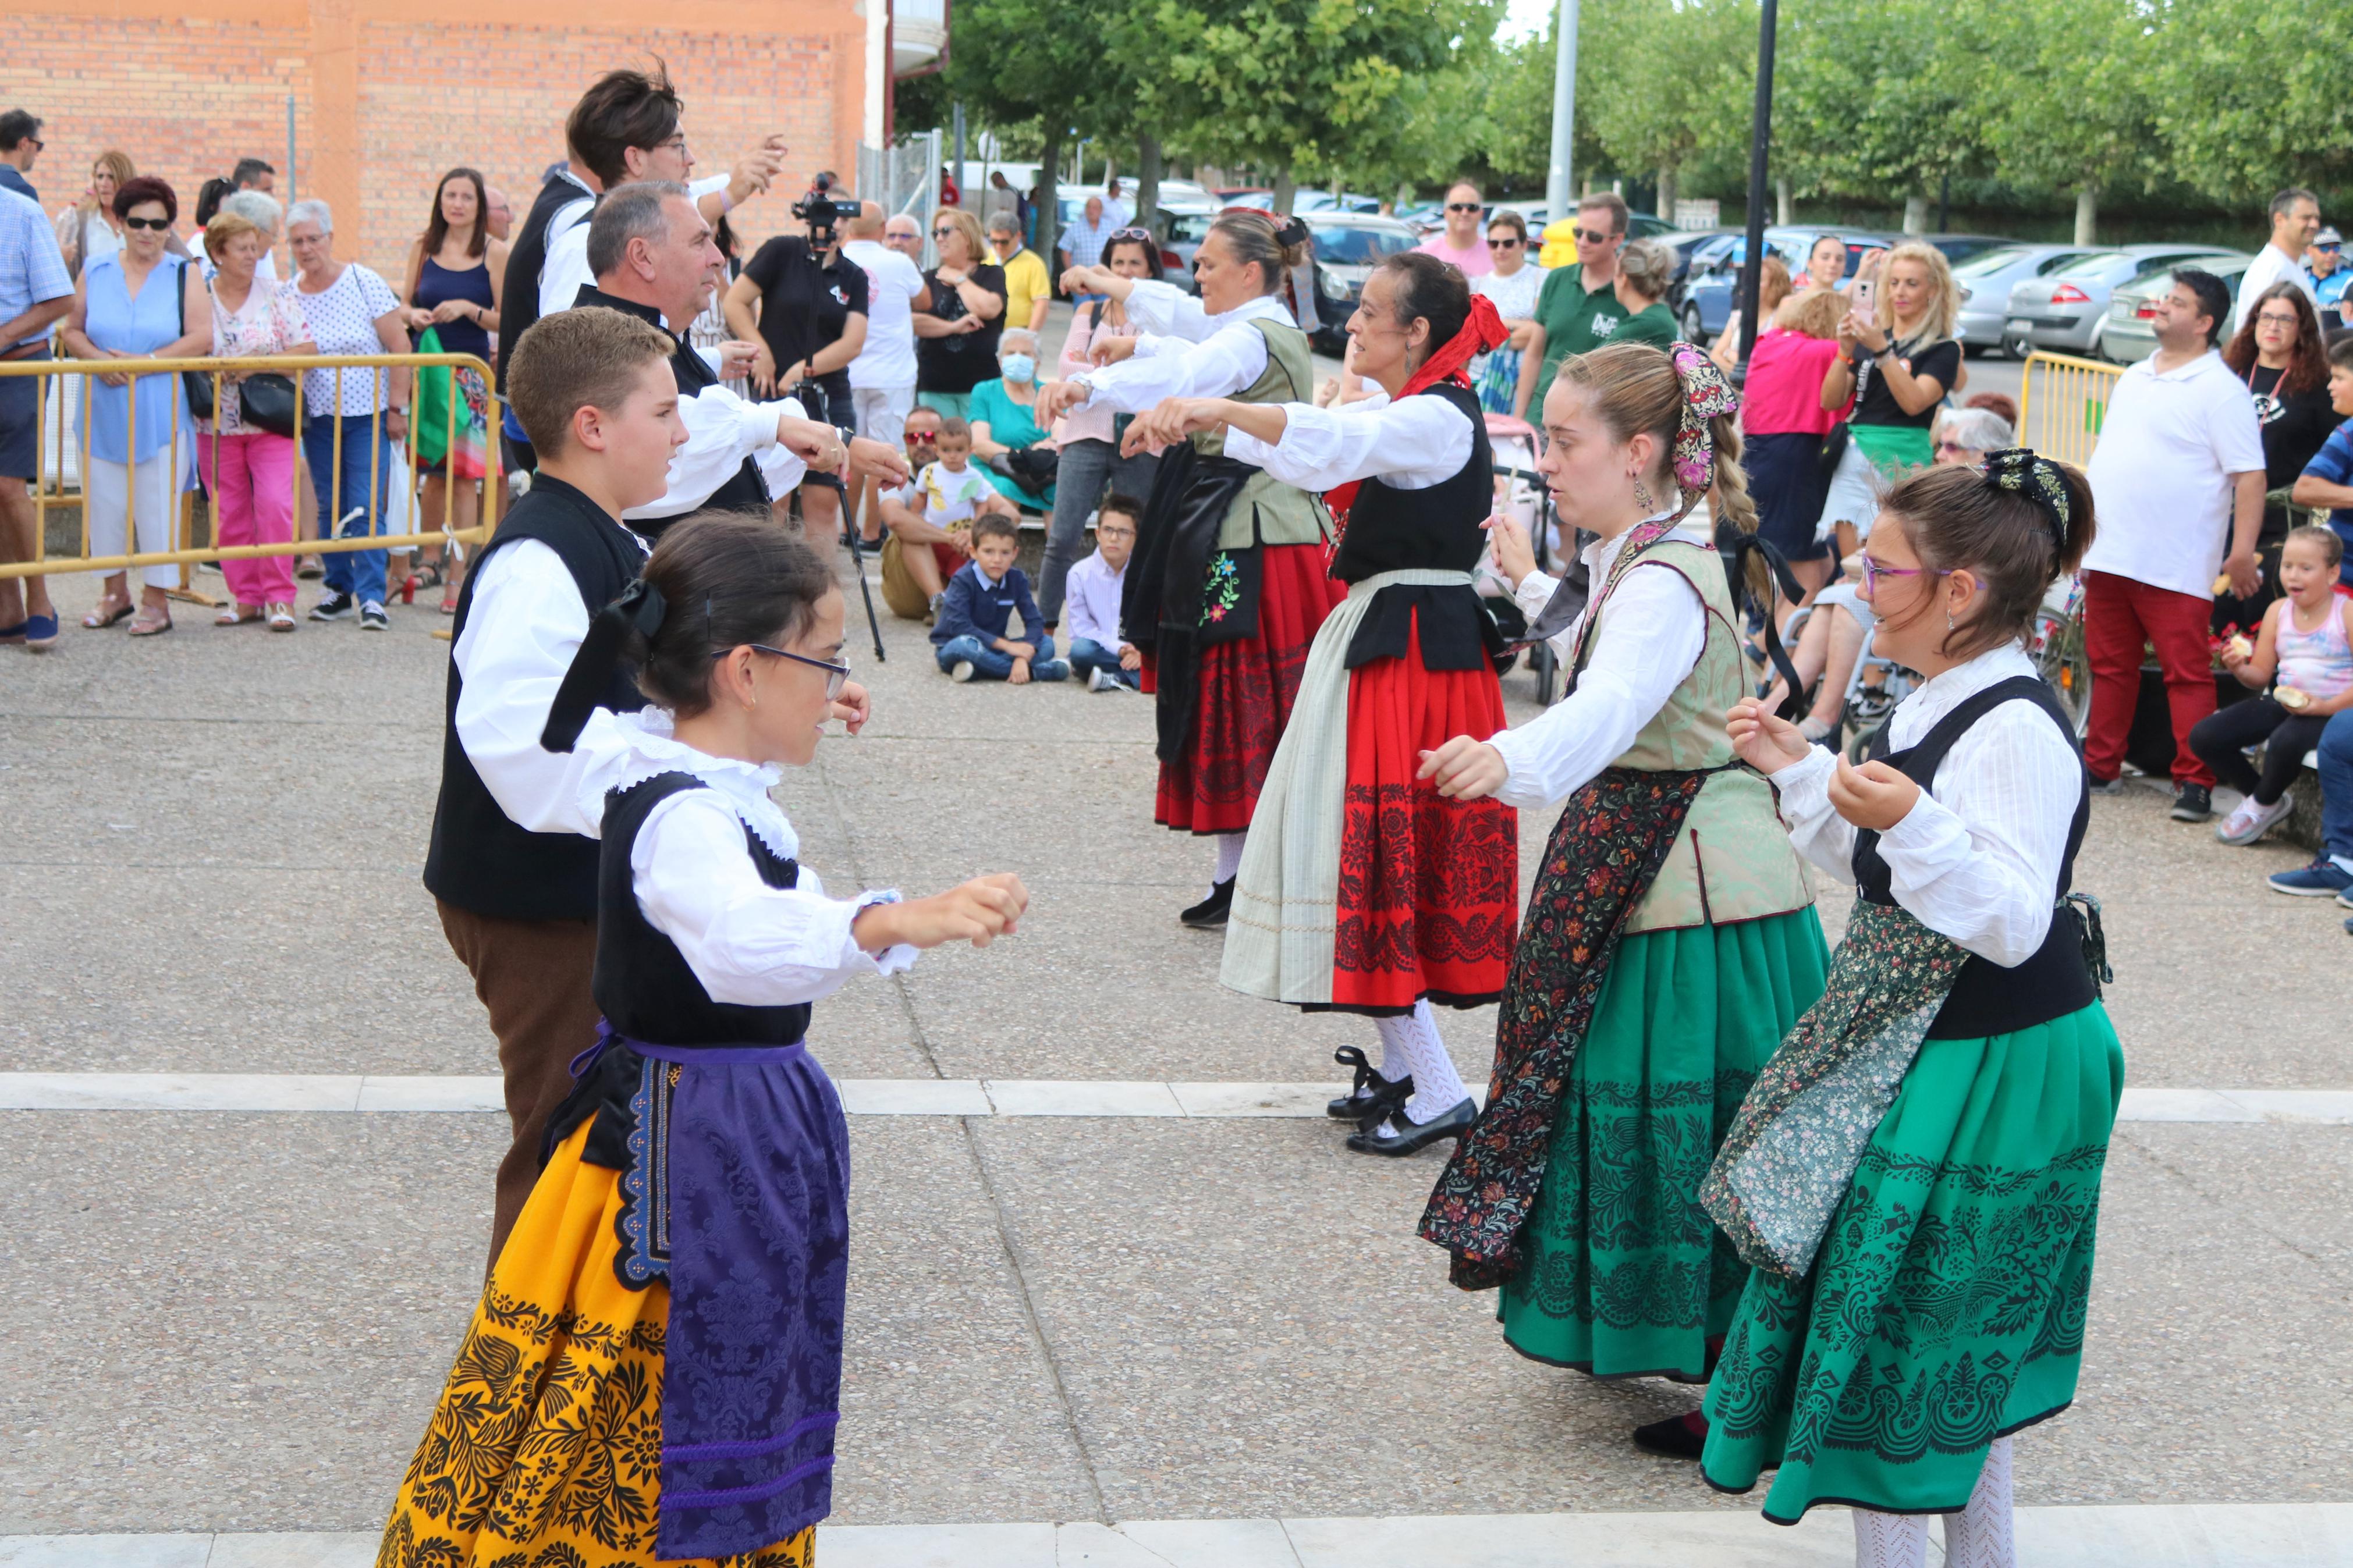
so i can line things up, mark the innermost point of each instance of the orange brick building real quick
(387, 97)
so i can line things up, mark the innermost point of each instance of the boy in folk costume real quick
(1362, 889)
(1670, 940)
(1227, 587)
(1916, 1175)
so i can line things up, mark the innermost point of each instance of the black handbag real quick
(1033, 468)
(199, 383)
(266, 399)
(1834, 447)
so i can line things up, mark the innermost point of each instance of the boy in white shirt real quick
(1091, 595)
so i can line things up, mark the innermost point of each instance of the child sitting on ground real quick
(1091, 597)
(2304, 655)
(970, 636)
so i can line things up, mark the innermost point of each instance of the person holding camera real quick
(805, 304)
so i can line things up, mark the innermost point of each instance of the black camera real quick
(821, 212)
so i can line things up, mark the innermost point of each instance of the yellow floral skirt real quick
(545, 1448)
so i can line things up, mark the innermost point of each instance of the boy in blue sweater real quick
(969, 637)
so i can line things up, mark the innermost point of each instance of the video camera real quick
(822, 213)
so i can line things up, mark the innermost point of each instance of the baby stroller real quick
(1520, 494)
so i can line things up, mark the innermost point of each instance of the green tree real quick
(1674, 81)
(2249, 97)
(2069, 102)
(1877, 98)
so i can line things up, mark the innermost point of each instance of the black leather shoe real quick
(1671, 1438)
(1210, 912)
(1397, 1136)
(1370, 1085)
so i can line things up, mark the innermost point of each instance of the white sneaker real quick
(1100, 680)
(961, 672)
(2249, 822)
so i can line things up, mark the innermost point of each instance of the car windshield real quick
(1990, 261)
(1348, 246)
(1190, 228)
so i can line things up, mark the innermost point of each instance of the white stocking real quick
(1437, 1086)
(1229, 855)
(1980, 1536)
(1890, 1539)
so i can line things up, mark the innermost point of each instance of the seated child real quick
(969, 637)
(925, 548)
(696, 1178)
(1091, 599)
(2303, 654)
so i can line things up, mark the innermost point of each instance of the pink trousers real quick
(251, 478)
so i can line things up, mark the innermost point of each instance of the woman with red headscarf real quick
(1360, 889)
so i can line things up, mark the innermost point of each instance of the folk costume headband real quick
(639, 608)
(1706, 396)
(2020, 472)
(1481, 331)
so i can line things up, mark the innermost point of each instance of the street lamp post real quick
(1752, 274)
(1558, 192)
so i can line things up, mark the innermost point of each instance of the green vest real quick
(1733, 860)
(1267, 510)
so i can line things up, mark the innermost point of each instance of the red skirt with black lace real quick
(1429, 894)
(1245, 693)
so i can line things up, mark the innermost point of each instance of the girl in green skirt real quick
(1670, 939)
(1916, 1172)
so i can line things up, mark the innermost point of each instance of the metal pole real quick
(1752, 274)
(1558, 190)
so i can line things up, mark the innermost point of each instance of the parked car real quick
(2067, 310)
(1182, 238)
(1987, 278)
(1710, 293)
(2130, 335)
(1346, 248)
(1688, 246)
(1960, 248)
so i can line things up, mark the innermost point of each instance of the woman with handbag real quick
(1015, 454)
(137, 304)
(245, 448)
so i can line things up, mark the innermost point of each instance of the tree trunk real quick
(2087, 214)
(1667, 193)
(1050, 204)
(1916, 215)
(1286, 190)
(1785, 206)
(1148, 172)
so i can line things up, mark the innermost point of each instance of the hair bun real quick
(1290, 231)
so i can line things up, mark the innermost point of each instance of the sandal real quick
(148, 624)
(282, 618)
(238, 615)
(109, 611)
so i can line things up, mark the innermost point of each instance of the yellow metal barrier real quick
(2061, 404)
(52, 488)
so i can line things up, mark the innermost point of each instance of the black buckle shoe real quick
(1396, 1135)
(1210, 912)
(1358, 1103)
(1671, 1439)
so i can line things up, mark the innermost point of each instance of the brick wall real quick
(186, 97)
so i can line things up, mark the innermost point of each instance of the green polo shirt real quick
(1576, 322)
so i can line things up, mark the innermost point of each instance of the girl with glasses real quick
(702, 1154)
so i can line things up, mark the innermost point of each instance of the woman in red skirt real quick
(1361, 889)
(1227, 586)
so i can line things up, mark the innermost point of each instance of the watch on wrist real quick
(848, 435)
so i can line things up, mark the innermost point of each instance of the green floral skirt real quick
(1946, 1305)
(1622, 1274)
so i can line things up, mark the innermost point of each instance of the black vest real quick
(643, 985)
(745, 491)
(519, 296)
(481, 861)
(1392, 530)
(1988, 999)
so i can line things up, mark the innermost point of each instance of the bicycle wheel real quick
(2057, 649)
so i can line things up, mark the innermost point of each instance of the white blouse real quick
(1413, 443)
(1976, 857)
(1222, 360)
(750, 944)
(1650, 635)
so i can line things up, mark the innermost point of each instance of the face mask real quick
(1020, 368)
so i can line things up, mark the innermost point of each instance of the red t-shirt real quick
(1784, 394)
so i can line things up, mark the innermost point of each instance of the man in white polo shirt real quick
(2178, 477)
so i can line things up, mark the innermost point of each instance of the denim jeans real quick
(359, 572)
(1087, 656)
(2337, 789)
(988, 664)
(1088, 469)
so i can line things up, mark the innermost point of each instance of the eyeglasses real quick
(1872, 570)
(1591, 236)
(922, 437)
(1503, 244)
(2275, 319)
(676, 143)
(1943, 446)
(834, 674)
(153, 225)
(1466, 206)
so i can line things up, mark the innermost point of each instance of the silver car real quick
(1987, 278)
(2067, 310)
(2130, 335)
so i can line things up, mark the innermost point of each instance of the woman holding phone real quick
(1899, 355)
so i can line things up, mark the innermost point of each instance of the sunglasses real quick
(940, 233)
(1503, 244)
(1119, 234)
(1952, 447)
(1591, 236)
(1466, 206)
(834, 674)
(2331, 248)
(153, 225)
(922, 437)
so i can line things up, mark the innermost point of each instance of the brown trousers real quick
(534, 978)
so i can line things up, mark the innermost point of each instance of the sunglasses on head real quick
(1119, 234)
(153, 224)
(1466, 206)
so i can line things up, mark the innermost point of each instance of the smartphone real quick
(1863, 299)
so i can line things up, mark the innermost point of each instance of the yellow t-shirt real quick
(1025, 281)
